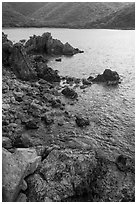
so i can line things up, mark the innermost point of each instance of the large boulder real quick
(64, 174)
(108, 75)
(80, 175)
(15, 167)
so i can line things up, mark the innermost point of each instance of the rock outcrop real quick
(15, 168)
(63, 174)
(21, 63)
(43, 159)
(47, 45)
(6, 49)
(108, 76)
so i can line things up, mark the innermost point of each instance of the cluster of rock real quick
(38, 171)
(24, 66)
(41, 163)
(47, 45)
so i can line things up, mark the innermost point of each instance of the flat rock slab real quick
(15, 167)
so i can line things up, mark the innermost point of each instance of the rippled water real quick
(111, 109)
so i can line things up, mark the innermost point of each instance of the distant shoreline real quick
(8, 27)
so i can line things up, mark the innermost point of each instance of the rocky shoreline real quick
(43, 160)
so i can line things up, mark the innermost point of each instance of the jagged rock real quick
(6, 49)
(82, 121)
(15, 56)
(46, 44)
(6, 143)
(69, 93)
(21, 64)
(68, 49)
(64, 173)
(107, 76)
(15, 167)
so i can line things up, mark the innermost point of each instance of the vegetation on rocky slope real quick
(114, 15)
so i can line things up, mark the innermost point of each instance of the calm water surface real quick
(111, 109)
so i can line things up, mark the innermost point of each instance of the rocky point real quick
(44, 157)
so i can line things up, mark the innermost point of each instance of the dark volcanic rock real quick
(81, 121)
(107, 76)
(69, 93)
